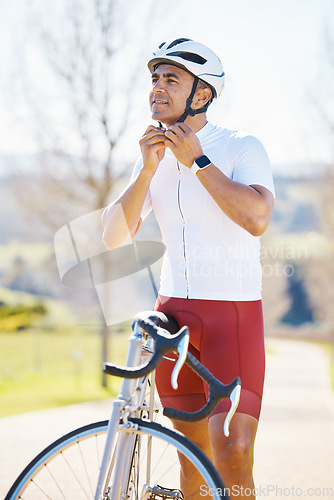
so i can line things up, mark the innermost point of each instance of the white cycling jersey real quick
(208, 256)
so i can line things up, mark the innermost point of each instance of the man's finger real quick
(149, 128)
(153, 141)
(171, 135)
(152, 128)
(174, 129)
(153, 133)
(182, 126)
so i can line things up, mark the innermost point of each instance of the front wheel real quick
(68, 468)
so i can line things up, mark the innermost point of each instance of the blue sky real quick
(272, 52)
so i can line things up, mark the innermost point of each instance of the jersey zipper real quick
(183, 230)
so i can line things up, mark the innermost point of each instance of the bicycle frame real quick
(131, 435)
(129, 400)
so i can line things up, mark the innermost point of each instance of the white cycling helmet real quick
(195, 58)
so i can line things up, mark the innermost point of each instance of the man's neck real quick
(195, 122)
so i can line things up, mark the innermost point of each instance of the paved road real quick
(295, 443)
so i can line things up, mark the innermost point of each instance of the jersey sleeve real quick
(147, 207)
(251, 164)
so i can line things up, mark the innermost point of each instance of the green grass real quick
(58, 312)
(45, 369)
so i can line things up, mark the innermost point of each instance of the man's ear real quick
(201, 97)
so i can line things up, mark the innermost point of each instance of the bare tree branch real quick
(94, 78)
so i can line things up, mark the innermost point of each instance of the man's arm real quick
(121, 219)
(248, 206)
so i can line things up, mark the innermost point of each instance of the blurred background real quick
(73, 105)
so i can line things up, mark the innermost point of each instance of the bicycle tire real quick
(54, 474)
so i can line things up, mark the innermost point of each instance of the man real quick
(212, 193)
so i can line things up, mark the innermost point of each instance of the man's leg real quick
(191, 480)
(233, 455)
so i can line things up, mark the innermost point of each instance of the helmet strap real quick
(189, 111)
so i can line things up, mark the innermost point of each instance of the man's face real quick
(171, 87)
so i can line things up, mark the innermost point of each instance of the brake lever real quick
(182, 349)
(235, 398)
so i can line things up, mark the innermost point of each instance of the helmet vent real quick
(176, 42)
(189, 56)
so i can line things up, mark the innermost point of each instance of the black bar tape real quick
(136, 372)
(164, 343)
(149, 327)
(217, 392)
(161, 319)
(198, 368)
(191, 416)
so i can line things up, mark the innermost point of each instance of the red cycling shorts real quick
(228, 338)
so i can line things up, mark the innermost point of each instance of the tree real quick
(91, 57)
(81, 104)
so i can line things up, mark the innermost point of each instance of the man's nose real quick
(158, 86)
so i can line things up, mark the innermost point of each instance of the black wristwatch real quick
(200, 164)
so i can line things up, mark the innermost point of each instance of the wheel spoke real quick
(86, 471)
(74, 474)
(68, 469)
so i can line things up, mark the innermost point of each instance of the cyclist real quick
(212, 193)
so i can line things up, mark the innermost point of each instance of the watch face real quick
(202, 161)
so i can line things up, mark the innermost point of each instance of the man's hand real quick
(153, 147)
(183, 142)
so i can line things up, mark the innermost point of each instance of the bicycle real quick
(140, 458)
